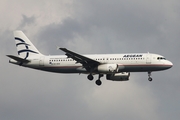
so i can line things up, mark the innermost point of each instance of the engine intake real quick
(124, 76)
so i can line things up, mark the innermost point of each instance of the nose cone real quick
(169, 64)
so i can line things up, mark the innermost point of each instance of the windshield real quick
(161, 58)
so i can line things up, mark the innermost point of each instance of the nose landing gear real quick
(149, 76)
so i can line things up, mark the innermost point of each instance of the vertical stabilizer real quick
(24, 46)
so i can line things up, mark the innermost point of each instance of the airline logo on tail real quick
(24, 46)
(27, 50)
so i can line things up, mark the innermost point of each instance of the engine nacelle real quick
(124, 76)
(107, 68)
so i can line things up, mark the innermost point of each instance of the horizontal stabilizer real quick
(18, 59)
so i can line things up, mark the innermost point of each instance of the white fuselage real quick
(135, 62)
(116, 67)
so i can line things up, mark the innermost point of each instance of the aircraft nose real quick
(169, 64)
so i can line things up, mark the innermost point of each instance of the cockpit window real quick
(161, 58)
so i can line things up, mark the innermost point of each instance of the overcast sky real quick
(89, 27)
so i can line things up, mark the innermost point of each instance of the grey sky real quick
(90, 26)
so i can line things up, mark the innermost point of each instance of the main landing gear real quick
(90, 77)
(149, 76)
(98, 81)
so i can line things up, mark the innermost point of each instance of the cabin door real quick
(41, 61)
(148, 59)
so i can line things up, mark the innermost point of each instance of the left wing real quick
(88, 63)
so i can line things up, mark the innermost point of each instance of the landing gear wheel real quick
(149, 76)
(98, 82)
(150, 79)
(90, 77)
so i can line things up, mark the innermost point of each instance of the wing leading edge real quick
(87, 63)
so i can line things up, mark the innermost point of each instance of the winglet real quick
(57, 47)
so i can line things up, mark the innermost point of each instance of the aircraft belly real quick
(65, 69)
(143, 68)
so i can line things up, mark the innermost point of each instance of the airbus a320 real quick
(115, 67)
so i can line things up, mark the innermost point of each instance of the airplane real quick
(116, 67)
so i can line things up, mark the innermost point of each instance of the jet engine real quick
(124, 76)
(107, 68)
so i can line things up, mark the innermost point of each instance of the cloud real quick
(27, 21)
(88, 26)
(123, 103)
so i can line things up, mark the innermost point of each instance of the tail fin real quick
(24, 46)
